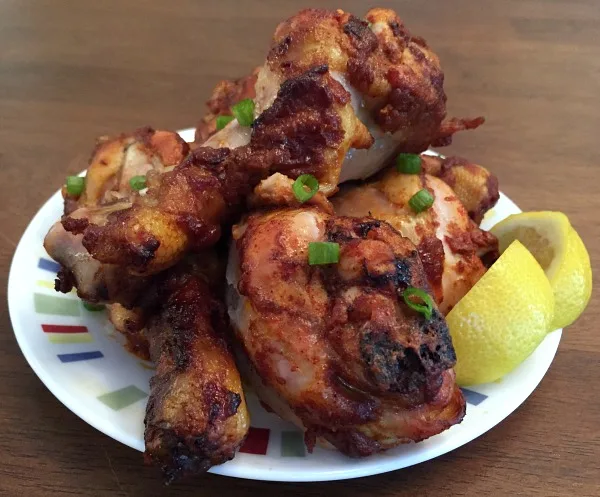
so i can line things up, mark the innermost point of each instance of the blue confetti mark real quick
(472, 397)
(80, 356)
(48, 265)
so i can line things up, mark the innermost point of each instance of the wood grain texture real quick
(71, 71)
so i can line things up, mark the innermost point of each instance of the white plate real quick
(80, 359)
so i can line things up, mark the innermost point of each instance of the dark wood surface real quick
(71, 71)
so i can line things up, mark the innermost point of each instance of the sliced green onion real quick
(426, 308)
(244, 112)
(137, 183)
(223, 121)
(323, 253)
(75, 185)
(421, 201)
(92, 307)
(408, 163)
(303, 182)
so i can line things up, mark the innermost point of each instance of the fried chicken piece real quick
(335, 349)
(395, 75)
(474, 185)
(450, 244)
(107, 190)
(196, 415)
(394, 79)
(311, 120)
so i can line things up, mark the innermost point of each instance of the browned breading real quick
(450, 244)
(312, 123)
(115, 161)
(131, 324)
(112, 164)
(474, 185)
(196, 415)
(277, 191)
(226, 94)
(398, 73)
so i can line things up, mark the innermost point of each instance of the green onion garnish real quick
(223, 121)
(244, 112)
(92, 307)
(299, 187)
(408, 163)
(137, 183)
(323, 253)
(421, 201)
(75, 185)
(426, 308)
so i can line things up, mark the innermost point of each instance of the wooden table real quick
(71, 71)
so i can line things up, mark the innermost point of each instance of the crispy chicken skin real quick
(112, 164)
(397, 72)
(394, 78)
(95, 282)
(226, 94)
(474, 185)
(334, 348)
(131, 323)
(196, 415)
(115, 161)
(451, 245)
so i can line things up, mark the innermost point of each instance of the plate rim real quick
(247, 470)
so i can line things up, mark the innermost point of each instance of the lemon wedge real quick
(502, 319)
(560, 251)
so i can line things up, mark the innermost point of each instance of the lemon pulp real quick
(560, 251)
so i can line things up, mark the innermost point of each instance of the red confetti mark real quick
(59, 328)
(256, 442)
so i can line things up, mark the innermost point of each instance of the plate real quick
(81, 360)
